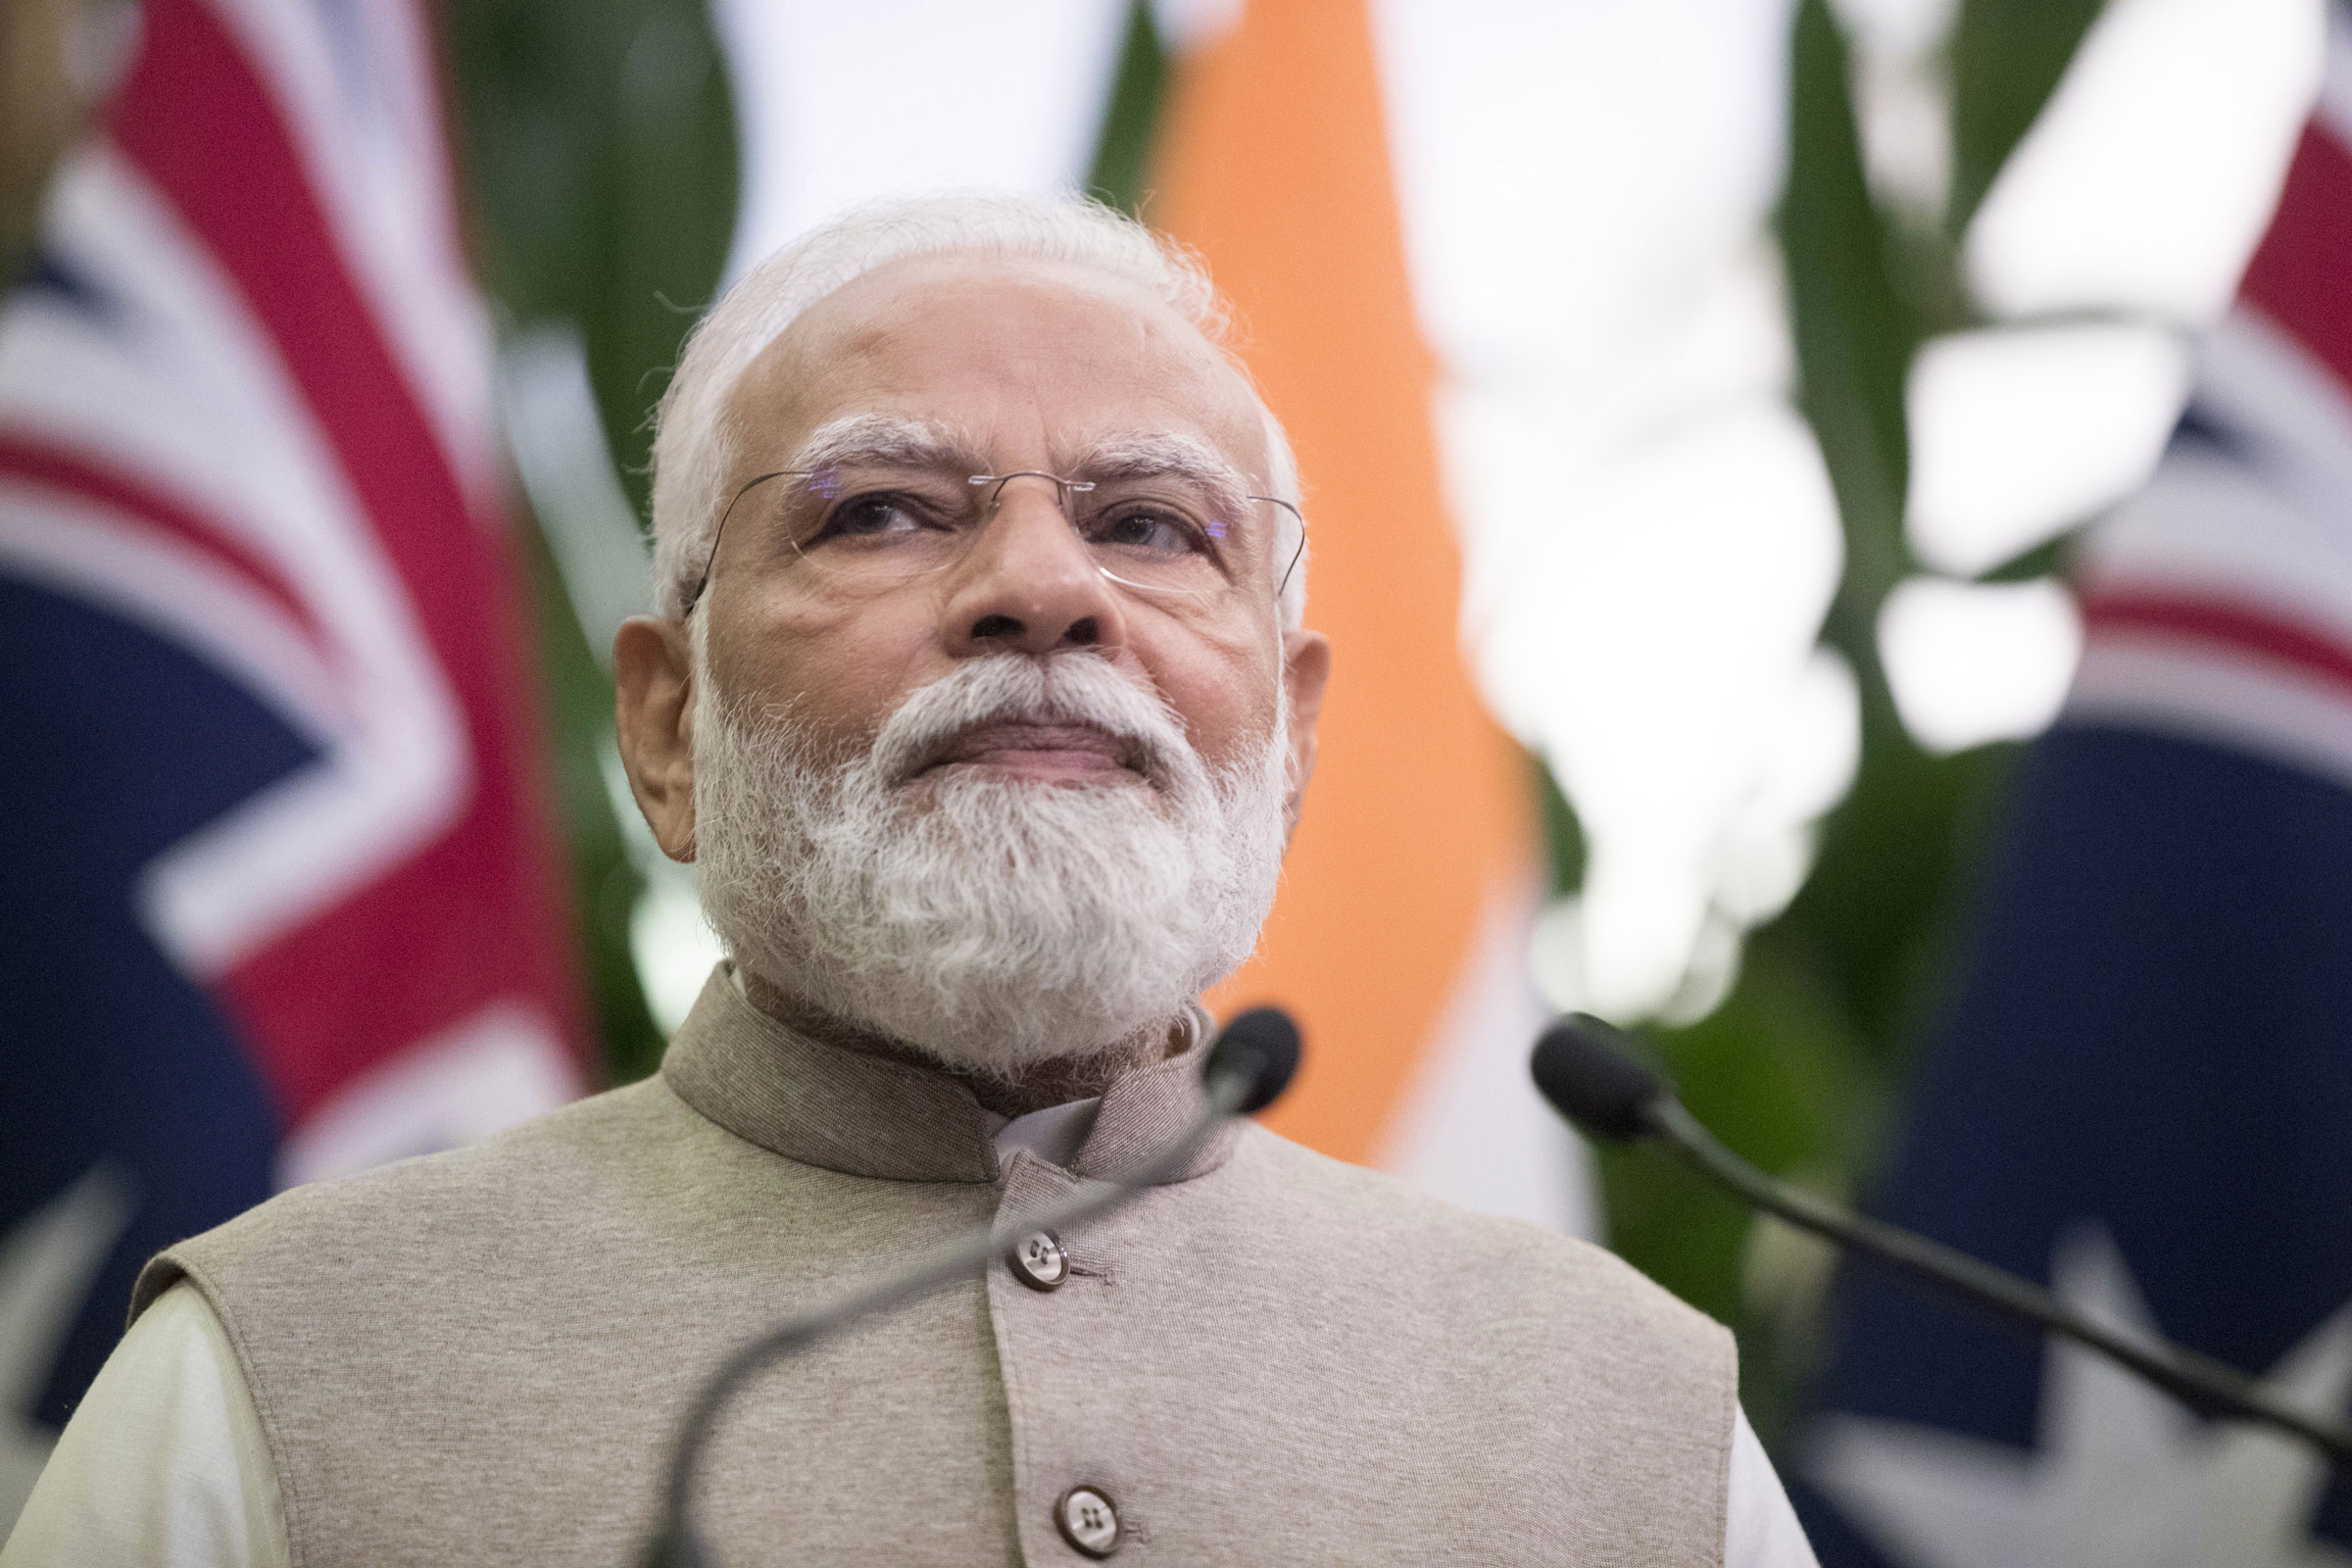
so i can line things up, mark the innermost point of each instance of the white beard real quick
(993, 923)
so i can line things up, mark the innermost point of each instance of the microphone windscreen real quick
(1584, 1069)
(1262, 1046)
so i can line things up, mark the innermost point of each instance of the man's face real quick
(1014, 367)
(1032, 368)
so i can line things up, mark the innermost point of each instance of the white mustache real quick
(1071, 688)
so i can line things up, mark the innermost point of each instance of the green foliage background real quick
(599, 144)
(1799, 1069)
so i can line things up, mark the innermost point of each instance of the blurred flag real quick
(2143, 1092)
(280, 895)
(1400, 934)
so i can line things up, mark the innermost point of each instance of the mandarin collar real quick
(843, 1110)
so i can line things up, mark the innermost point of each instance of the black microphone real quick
(1258, 1051)
(1582, 1066)
(1251, 1064)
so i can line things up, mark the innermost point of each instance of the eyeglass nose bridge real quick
(992, 488)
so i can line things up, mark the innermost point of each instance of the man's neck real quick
(1055, 1081)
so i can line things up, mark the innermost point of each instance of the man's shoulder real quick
(1368, 1223)
(539, 1171)
(551, 1150)
(1360, 1206)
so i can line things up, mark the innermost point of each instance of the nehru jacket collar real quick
(864, 1116)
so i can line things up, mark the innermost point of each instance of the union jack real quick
(282, 898)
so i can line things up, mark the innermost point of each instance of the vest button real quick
(1088, 1521)
(1037, 1261)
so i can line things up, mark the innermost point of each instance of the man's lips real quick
(1040, 750)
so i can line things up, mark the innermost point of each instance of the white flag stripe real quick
(2210, 692)
(353, 83)
(1470, 1128)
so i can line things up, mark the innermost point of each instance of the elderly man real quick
(981, 697)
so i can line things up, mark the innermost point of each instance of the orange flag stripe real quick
(1274, 165)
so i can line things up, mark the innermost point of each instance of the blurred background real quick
(1835, 521)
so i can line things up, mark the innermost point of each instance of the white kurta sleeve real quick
(163, 1463)
(1759, 1526)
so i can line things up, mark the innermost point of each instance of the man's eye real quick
(1151, 530)
(871, 517)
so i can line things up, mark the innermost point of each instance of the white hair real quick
(692, 448)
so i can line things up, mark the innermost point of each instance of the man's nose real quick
(1030, 585)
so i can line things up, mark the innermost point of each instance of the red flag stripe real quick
(194, 93)
(2301, 274)
(36, 463)
(2241, 628)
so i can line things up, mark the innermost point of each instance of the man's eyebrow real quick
(1164, 455)
(886, 438)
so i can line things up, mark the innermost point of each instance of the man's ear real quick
(1306, 670)
(653, 700)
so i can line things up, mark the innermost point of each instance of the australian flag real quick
(2141, 1092)
(281, 894)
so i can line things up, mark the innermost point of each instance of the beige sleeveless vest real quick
(479, 1357)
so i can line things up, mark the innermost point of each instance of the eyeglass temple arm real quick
(710, 560)
(1298, 551)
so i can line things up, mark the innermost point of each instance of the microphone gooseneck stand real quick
(1583, 1070)
(1251, 1062)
